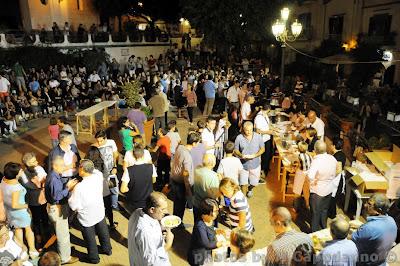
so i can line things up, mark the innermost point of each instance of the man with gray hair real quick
(377, 236)
(321, 174)
(290, 246)
(339, 251)
(314, 121)
(249, 146)
(57, 192)
(206, 184)
(70, 154)
(87, 200)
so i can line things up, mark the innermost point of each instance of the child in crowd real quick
(173, 136)
(305, 160)
(113, 184)
(164, 157)
(311, 135)
(230, 166)
(201, 125)
(54, 130)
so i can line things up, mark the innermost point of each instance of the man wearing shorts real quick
(248, 147)
(19, 76)
(4, 87)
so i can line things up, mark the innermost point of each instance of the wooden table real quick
(90, 113)
(285, 159)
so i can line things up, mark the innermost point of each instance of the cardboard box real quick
(368, 183)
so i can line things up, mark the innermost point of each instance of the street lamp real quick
(282, 35)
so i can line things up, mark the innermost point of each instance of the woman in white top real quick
(129, 159)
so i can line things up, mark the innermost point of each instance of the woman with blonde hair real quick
(238, 208)
(241, 244)
(242, 241)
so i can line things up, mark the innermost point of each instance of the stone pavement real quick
(36, 139)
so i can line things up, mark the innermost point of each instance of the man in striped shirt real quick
(289, 247)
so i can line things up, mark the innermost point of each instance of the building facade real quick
(38, 14)
(346, 21)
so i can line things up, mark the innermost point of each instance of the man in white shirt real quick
(53, 83)
(233, 94)
(94, 77)
(314, 121)
(262, 127)
(146, 243)
(245, 112)
(173, 136)
(87, 200)
(321, 174)
(4, 87)
(230, 166)
(208, 136)
(109, 154)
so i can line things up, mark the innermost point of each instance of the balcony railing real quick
(19, 38)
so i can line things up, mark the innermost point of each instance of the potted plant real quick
(131, 91)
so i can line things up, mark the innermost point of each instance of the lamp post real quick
(282, 35)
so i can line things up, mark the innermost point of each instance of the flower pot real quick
(148, 130)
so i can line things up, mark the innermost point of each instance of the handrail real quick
(67, 40)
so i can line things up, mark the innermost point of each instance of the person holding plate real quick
(204, 237)
(146, 243)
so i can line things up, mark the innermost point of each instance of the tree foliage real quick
(131, 91)
(229, 23)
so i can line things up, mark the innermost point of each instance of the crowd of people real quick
(211, 175)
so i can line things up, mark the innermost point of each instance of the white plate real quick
(167, 219)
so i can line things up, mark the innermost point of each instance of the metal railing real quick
(46, 38)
